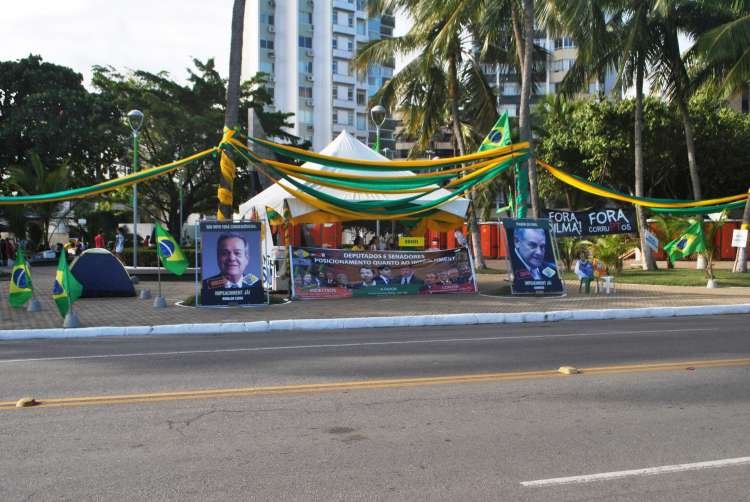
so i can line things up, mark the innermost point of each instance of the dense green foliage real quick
(594, 139)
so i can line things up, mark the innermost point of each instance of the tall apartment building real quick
(307, 48)
(548, 74)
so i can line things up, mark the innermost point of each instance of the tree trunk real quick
(648, 259)
(231, 117)
(525, 112)
(695, 182)
(740, 260)
(476, 238)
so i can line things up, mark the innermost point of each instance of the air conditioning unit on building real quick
(271, 55)
(309, 102)
(272, 3)
(310, 2)
(271, 28)
(310, 53)
(271, 79)
(310, 127)
(310, 78)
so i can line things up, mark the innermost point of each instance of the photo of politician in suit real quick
(232, 256)
(530, 264)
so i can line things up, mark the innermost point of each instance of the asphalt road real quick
(444, 437)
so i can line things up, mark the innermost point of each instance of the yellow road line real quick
(369, 384)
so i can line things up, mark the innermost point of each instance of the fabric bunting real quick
(595, 189)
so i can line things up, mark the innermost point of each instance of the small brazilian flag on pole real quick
(66, 288)
(499, 136)
(20, 282)
(169, 251)
(691, 241)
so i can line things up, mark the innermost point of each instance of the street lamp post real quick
(135, 121)
(378, 113)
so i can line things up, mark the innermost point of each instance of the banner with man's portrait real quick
(231, 263)
(533, 268)
(340, 273)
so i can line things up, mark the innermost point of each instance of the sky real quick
(151, 35)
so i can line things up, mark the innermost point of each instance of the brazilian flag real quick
(20, 282)
(690, 241)
(66, 288)
(169, 251)
(499, 136)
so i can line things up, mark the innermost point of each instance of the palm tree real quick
(231, 117)
(428, 91)
(36, 180)
(612, 34)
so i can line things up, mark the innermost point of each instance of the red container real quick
(490, 243)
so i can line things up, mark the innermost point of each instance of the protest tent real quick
(101, 274)
(277, 200)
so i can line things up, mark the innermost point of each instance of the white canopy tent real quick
(346, 146)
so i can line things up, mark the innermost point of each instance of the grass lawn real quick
(678, 277)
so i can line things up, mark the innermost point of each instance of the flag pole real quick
(159, 301)
(71, 320)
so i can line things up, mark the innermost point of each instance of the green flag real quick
(66, 288)
(169, 251)
(499, 136)
(20, 290)
(691, 241)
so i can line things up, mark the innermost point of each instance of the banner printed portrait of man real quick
(532, 261)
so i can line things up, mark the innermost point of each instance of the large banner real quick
(341, 273)
(594, 222)
(230, 263)
(533, 269)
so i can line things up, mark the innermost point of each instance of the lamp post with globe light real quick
(135, 121)
(378, 113)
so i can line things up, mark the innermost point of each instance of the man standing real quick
(99, 239)
(232, 256)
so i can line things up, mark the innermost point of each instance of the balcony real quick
(343, 103)
(346, 30)
(343, 79)
(343, 54)
(348, 5)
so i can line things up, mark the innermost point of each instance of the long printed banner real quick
(341, 273)
(594, 222)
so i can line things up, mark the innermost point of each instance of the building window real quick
(335, 43)
(361, 121)
(266, 44)
(350, 117)
(361, 97)
(266, 67)
(305, 42)
(350, 93)
(335, 67)
(562, 65)
(267, 19)
(564, 43)
(305, 91)
(305, 116)
(361, 27)
(305, 66)
(305, 17)
(350, 44)
(350, 20)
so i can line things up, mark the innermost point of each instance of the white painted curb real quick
(376, 322)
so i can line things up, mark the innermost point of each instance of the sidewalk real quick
(135, 312)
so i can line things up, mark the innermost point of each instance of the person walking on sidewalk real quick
(120, 244)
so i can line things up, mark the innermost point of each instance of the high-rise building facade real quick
(307, 48)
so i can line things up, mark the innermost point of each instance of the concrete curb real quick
(375, 322)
